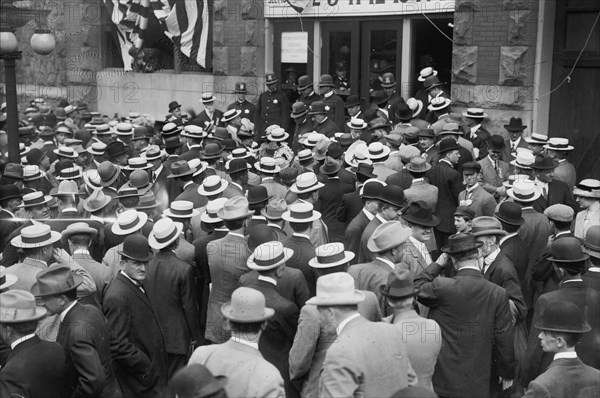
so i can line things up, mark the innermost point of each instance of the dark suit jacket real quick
(336, 110)
(85, 337)
(349, 207)
(34, 369)
(192, 153)
(364, 254)
(354, 232)
(138, 345)
(449, 183)
(8, 225)
(480, 142)
(203, 119)
(558, 192)
(463, 306)
(543, 271)
(535, 232)
(330, 197)
(516, 250)
(403, 179)
(303, 252)
(565, 377)
(502, 273)
(171, 287)
(328, 128)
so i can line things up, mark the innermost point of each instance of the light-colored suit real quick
(101, 274)
(274, 189)
(565, 377)
(565, 172)
(312, 340)
(248, 373)
(381, 171)
(370, 276)
(367, 359)
(227, 261)
(480, 201)
(491, 179)
(587, 218)
(185, 251)
(423, 339)
(422, 190)
(394, 162)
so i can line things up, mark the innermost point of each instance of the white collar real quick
(69, 210)
(472, 188)
(9, 212)
(418, 180)
(504, 239)
(383, 220)
(136, 283)
(492, 161)
(516, 142)
(475, 128)
(369, 215)
(329, 94)
(81, 251)
(560, 160)
(470, 267)
(66, 310)
(418, 244)
(573, 280)
(386, 261)
(491, 257)
(268, 179)
(245, 342)
(270, 224)
(267, 279)
(565, 355)
(255, 217)
(236, 234)
(447, 161)
(562, 233)
(301, 235)
(22, 339)
(343, 323)
(37, 261)
(187, 183)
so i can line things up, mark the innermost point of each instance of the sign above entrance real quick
(294, 47)
(346, 8)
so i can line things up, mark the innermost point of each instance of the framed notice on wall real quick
(294, 47)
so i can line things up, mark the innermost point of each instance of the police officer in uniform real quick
(242, 104)
(273, 106)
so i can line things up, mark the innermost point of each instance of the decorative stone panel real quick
(518, 4)
(518, 32)
(464, 64)
(249, 58)
(463, 27)
(220, 60)
(513, 65)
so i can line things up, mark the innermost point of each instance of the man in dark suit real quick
(171, 287)
(330, 196)
(83, 333)
(34, 368)
(334, 104)
(242, 104)
(476, 133)
(137, 346)
(369, 197)
(277, 339)
(209, 117)
(351, 203)
(181, 170)
(321, 122)
(302, 122)
(273, 106)
(449, 183)
(10, 199)
(553, 191)
(458, 305)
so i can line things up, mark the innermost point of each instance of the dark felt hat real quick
(461, 243)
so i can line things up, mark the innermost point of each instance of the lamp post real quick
(42, 42)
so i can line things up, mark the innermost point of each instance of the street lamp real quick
(42, 42)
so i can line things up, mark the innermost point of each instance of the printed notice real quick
(294, 47)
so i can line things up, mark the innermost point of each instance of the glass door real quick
(340, 56)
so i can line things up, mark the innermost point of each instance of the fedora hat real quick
(510, 213)
(235, 208)
(524, 160)
(399, 285)
(257, 194)
(129, 222)
(230, 115)
(173, 105)
(37, 235)
(376, 151)
(420, 213)
(559, 144)
(320, 150)
(393, 195)
(461, 243)
(418, 165)
(207, 98)
(278, 135)
(6, 279)
(170, 130)
(380, 97)
(415, 105)
(96, 201)
(330, 255)
(115, 149)
(136, 248)
(317, 107)
(181, 168)
(196, 381)
(588, 188)
(426, 72)
(181, 209)
(447, 145)
(524, 191)
(65, 152)
(330, 166)
(559, 212)
(147, 201)
(537, 139)
(77, 228)
(97, 149)
(18, 306)
(363, 169)
(485, 226)
(271, 78)
(352, 100)
(36, 198)
(274, 209)
(543, 162)
(235, 165)
(301, 213)
(371, 189)
(193, 131)
(9, 191)
(211, 151)
(267, 165)
(515, 125)
(431, 82)
(562, 316)
(164, 232)
(299, 109)
(403, 112)
(427, 133)
(387, 236)
(304, 82)
(247, 306)
(357, 124)
(475, 113)
(212, 185)
(13, 170)
(306, 182)
(172, 142)
(591, 243)
(268, 256)
(345, 140)
(439, 103)
(567, 250)
(55, 280)
(125, 129)
(450, 129)
(336, 289)
(465, 211)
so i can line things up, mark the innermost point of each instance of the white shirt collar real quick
(22, 339)
(81, 251)
(270, 224)
(369, 215)
(562, 233)
(418, 180)
(472, 188)
(329, 94)
(573, 280)
(245, 342)
(9, 212)
(343, 323)
(66, 310)
(565, 355)
(383, 220)
(267, 279)
(132, 281)
(470, 267)
(187, 183)
(386, 261)
(236, 234)
(301, 235)
(504, 239)
(447, 161)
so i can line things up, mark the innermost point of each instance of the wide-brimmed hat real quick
(330, 255)
(96, 201)
(431, 82)
(524, 191)
(426, 73)
(376, 151)
(461, 243)
(125, 129)
(387, 236)
(420, 213)
(6, 279)
(127, 191)
(317, 107)
(164, 232)
(267, 165)
(418, 165)
(415, 105)
(380, 97)
(543, 162)
(393, 195)
(320, 150)
(475, 113)
(278, 135)
(591, 242)
(103, 129)
(567, 250)
(147, 201)
(55, 280)
(510, 213)
(439, 103)
(36, 198)
(299, 109)
(559, 144)
(274, 209)
(357, 124)
(330, 166)
(230, 115)
(310, 139)
(537, 139)
(181, 209)
(563, 317)
(211, 151)
(128, 222)
(301, 213)
(306, 182)
(559, 212)
(37, 235)
(212, 185)
(13, 170)
(450, 128)
(486, 226)
(336, 289)
(66, 152)
(447, 145)
(399, 285)
(524, 160)
(235, 208)
(193, 131)
(588, 188)
(515, 125)
(247, 306)
(268, 256)
(136, 248)
(18, 306)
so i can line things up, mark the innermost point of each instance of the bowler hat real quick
(403, 112)
(37, 235)
(380, 97)
(9, 191)
(271, 78)
(164, 232)
(114, 149)
(336, 289)
(18, 306)
(496, 143)
(268, 256)
(399, 285)
(559, 212)
(363, 169)
(330, 255)
(181, 209)
(129, 222)
(35, 156)
(304, 82)
(140, 180)
(387, 236)
(515, 124)
(195, 380)
(392, 194)
(352, 100)
(335, 150)
(510, 213)
(591, 243)
(274, 209)
(563, 317)
(211, 151)
(247, 306)
(431, 82)
(298, 110)
(173, 105)
(235, 165)
(543, 162)
(330, 166)
(418, 165)
(136, 248)
(257, 194)
(447, 145)
(235, 208)
(485, 226)
(420, 213)
(371, 189)
(567, 250)
(326, 81)
(471, 168)
(317, 107)
(461, 243)
(388, 80)
(141, 133)
(55, 280)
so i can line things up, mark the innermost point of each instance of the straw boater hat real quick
(37, 235)
(301, 213)
(559, 144)
(588, 188)
(230, 115)
(330, 255)
(336, 289)
(268, 256)
(426, 72)
(128, 222)
(183, 209)
(36, 198)
(439, 103)
(247, 306)
(212, 185)
(475, 113)
(209, 216)
(524, 191)
(6, 279)
(537, 139)
(267, 165)
(164, 232)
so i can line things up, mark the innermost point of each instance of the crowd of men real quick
(398, 250)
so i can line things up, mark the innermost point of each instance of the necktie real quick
(513, 145)
(545, 192)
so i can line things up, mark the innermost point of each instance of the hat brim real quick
(17, 241)
(149, 257)
(356, 298)
(433, 222)
(112, 179)
(440, 107)
(519, 165)
(299, 115)
(221, 214)
(226, 311)
(482, 116)
(413, 293)
(161, 245)
(419, 109)
(354, 127)
(330, 172)
(236, 114)
(74, 231)
(348, 256)
(75, 155)
(511, 194)
(490, 232)
(203, 192)
(568, 148)
(40, 312)
(587, 194)
(427, 168)
(294, 188)
(276, 170)
(422, 79)
(514, 129)
(288, 217)
(283, 138)
(453, 148)
(187, 173)
(168, 213)
(77, 280)
(117, 230)
(584, 257)
(535, 142)
(520, 221)
(537, 167)
(446, 249)
(362, 173)
(287, 254)
(268, 216)
(386, 152)
(9, 280)
(552, 328)
(107, 200)
(204, 156)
